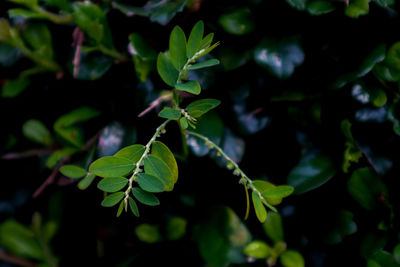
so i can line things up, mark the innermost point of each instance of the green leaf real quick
(113, 199)
(59, 155)
(238, 22)
(120, 208)
(151, 183)
(170, 113)
(273, 227)
(61, 4)
(200, 107)
(133, 153)
(192, 87)
(377, 55)
(257, 250)
(176, 228)
(343, 225)
(278, 192)
(93, 65)
(292, 258)
(158, 168)
(279, 57)
(13, 88)
(208, 50)
(357, 8)
(163, 11)
(206, 42)
(87, 181)
(184, 123)
(365, 187)
(143, 67)
(37, 132)
(112, 184)
(177, 48)
(144, 197)
(19, 240)
(38, 38)
(166, 70)
(133, 207)
(161, 151)
(261, 212)
(204, 64)
(264, 186)
(195, 39)
(141, 48)
(73, 171)
(311, 173)
(298, 4)
(396, 253)
(8, 54)
(111, 167)
(28, 3)
(148, 233)
(320, 7)
(25, 14)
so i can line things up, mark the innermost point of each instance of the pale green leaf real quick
(204, 64)
(257, 250)
(261, 212)
(166, 70)
(192, 87)
(112, 184)
(161, 151)
(195, 39)
(133, 207)
(280, 191)
(133, 152)
(73, 171)
(86, 182)
(292, 258)
(200, 107)
(111, 167)
(36, 131)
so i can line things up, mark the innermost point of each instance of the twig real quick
(78, 37)
(155, 103)
(15, 260)
(29, 153)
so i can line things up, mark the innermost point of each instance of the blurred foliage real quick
(309, 93)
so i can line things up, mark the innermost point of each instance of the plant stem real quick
(111, 52)
(141, 160)
(237, 171)
(58, 19)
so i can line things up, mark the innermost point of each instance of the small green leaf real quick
(151, 183)
(133, 207)
(273, 227)
(86, 182)
(28, 3)
(73, 171)
(206, 42)
(148, 233)
(111, 167)
(184, 123)
(177, 48)
(170, 113)
(158, 168)
(261, 212)
(112, 184)
(357, 8)
(238, 22)
(280, 191)
(166, 70)
(36, 131)
(208, 50)
(141, 47)
(144, 197)
(298, 4)
(292, 258)
(120, 208)
(257, 250)
(38, 37)
(161, 151)
(176, 228)
(133, 152)
(264, 186)
(204, 64)
(200, 107)
(13, 88)
(93, 65)
(195, 39)
(25, 14)
(396, 253)
(192, 87)
(113, 199)
(320, 7)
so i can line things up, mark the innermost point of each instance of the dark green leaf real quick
(38, 37)
(25, 14)
(206, 42)
(133, 152)
(177, 48)
(129, 10)
(396, 253)
(141, 48)
(158, 168)
(298, 4)
(61, 4)
(120, 208)
(273, 227)
(184, 123)
(151, 183)
(204, 64)
(170, 113)
(377, 55)
(143, 67)
(163, 11)
(343, 226)
(133, 207)
(311, 173)
(28, 3)
(73, 171)
(93, 65)
(357, 8)
(144, 197)
(192, 87)
(112, 184)
(365, 187)
(166, 70)
(111, 167)
(86, 182)
(320, 7)
(195, 39)
(200, 107)
(176, 228)
(113, 199)
(161, 151)
(257, 250)
(238, 22)
(279, 57)
(292, 258)
(8, 55)
(261, 212)
(280, 191)
(148, 233)
(36, 131)
(13, 88)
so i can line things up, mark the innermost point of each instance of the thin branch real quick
(29, 153)
(78, 37)
(156, 103)
(15, 260)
